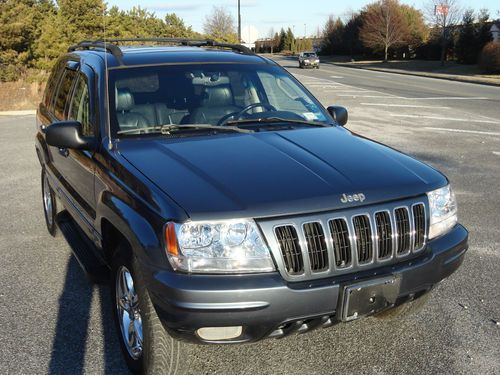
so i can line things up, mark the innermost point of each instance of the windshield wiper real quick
(172, 128)
(273, 120)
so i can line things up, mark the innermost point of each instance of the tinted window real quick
(55, 75)
(80, 105)
(63, 92)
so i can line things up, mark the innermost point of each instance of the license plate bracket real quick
(368, 297)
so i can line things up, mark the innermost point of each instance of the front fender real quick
(144, 235)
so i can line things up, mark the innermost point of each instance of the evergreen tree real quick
(465, 43)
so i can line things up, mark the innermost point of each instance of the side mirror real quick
(339, 114)
(68, 134)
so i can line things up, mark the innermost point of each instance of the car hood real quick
(276, 173)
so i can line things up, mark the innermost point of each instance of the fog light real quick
(219, 333)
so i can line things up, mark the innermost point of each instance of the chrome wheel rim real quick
(129, 317)
(47, 200)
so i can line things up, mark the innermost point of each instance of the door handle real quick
(64, 152)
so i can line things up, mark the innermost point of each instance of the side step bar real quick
(83, 249)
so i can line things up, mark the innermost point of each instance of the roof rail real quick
(111, 45)
(90, 44)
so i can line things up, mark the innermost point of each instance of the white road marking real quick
(337, 77)
(404, 105)
(367, 96)
(497, 153)
(446, 119)
(465, 131)
(450, 98)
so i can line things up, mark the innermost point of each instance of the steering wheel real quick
(234, 115)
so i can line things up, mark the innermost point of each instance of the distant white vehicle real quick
(308, 60)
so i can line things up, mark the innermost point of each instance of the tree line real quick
(390, 29)
(34, 33)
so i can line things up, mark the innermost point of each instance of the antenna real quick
(106, 84)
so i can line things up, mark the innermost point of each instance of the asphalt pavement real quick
(53, 321)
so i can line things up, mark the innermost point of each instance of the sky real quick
(303, 16)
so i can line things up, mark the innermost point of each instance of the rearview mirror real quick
(68, 134)
(339, 114)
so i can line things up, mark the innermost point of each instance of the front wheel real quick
(49, 204)
(145, 344)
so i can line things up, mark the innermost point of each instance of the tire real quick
(49, 204)
(406, 309)
(159, 353)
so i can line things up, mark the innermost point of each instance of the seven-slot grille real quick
(339, 243)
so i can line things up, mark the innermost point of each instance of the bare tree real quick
(384, 26)
(220, 25)
(444, 14)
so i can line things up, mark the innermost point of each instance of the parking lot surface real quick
(53, 321)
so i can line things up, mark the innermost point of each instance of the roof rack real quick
(111, 46)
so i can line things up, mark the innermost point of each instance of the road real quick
(53, 321)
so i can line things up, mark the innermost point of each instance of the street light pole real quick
(239, 23)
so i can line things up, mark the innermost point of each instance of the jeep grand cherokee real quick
(225, 204)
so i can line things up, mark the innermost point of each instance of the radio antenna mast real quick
(106, 78)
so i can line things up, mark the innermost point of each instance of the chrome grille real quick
(341, 242)
(316, 246)
(364, 242)
(403, 230)
(384, 234)
(290, 249)
(328, 244)
(419, 225)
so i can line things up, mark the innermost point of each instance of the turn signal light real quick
(171, 239)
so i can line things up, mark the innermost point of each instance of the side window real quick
(63, 92)
(54, 78)
(80, 105)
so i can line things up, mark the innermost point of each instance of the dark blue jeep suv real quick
(225, 204)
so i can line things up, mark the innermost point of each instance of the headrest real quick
(218, 95)
(124, 100)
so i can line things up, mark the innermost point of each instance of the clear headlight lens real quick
(234, 246)
(443, 211)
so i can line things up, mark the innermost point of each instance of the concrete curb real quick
(447, 77)
(26, 112)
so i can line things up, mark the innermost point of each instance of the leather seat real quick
(127, 119)
(217, 102)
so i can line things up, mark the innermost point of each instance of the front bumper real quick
(310, 64)
(268, 306)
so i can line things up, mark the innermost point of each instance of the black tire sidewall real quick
(51, 228)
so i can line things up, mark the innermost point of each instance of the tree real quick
(444, 14)
(418, 31)
(220, 25)
(289, 40)
(352, 41)
(282, 36)
(384, 26)
(465, 48)
(483, 33)
(333, 36)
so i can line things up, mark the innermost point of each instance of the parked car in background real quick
(308, 60)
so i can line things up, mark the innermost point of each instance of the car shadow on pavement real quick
(73, 336)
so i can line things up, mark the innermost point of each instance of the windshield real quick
(309, 54)
(147, 98)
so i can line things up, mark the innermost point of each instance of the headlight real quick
(234, 246)
(443, 211)
(306, 60)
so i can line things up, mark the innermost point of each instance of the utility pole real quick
(239, 22)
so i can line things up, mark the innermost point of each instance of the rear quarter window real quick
(63, 92)
(55, 76)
